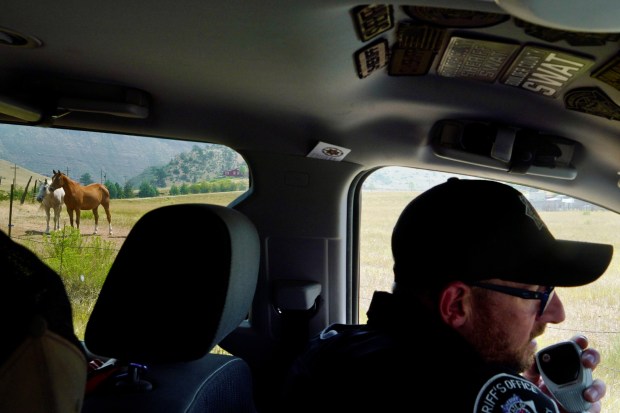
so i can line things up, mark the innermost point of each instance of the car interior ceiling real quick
(272, 79)
(295, 79)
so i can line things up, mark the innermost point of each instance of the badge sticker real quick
(531, 213)
(328, 152)
(545, 71)
(475, 59)
(505, 393)
(454, 17)
(609, 73)
(415, 49)
(372, 20)
(572, 38)
(592, 101)
(371, 58)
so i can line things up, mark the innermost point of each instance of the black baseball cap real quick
(473, 229)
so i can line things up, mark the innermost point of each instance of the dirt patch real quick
(28, 221)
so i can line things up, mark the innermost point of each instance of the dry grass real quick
(591, 310)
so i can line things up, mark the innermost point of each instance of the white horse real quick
(51, 199)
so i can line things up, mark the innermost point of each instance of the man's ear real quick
(454, 304)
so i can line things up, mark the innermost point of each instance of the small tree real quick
(86, 179)
(128, 191)
(160, 177)
(112, 188)
(147, 190)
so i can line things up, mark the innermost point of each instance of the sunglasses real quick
(543, 296)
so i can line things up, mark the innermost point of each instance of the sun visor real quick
(503, 147)
(44, 101)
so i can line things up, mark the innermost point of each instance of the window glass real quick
(141, 174)
(592, 309)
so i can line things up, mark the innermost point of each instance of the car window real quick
(140, 174)
(592, 309)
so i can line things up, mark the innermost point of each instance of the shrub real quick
(83, 264)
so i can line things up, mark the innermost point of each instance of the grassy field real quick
(592, 310)
(85, 259)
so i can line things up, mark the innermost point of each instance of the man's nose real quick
(554, 313)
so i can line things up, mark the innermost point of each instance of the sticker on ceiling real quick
(573, 38)
(592, 101)
(545, 71)
(415, 49)
(609, 72)
(453, 17)
(328, 152)
(475, 59)
(371, 58)
(372, 20)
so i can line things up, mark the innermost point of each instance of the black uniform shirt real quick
(407, 361)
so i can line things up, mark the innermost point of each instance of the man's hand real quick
(590, 359)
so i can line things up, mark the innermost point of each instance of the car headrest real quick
(183, 280)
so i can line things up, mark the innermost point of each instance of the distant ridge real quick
(21, 175)
(120, 157)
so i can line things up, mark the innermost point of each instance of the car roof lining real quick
(251, 77)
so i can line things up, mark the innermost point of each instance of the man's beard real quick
(493, 342)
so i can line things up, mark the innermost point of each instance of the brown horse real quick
(79, 197)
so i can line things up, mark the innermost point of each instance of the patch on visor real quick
(372, 20)
(506, 393)
(475, 59)
(592, 101)
(371, 58)
(415, 49)
(453, 17)
(545, 71)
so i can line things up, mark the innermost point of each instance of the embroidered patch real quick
(371, 58)
(505, 393)
(372, 20)
(545, 71)
(475, 59)
(415, 49)
(531, 212)
(454, 17)
(572, 38)
(592, 101)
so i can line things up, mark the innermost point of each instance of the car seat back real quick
(183, 280)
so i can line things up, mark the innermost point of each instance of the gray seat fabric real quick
(183, 280)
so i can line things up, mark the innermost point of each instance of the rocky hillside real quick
(116, 158)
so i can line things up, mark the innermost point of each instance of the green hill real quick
(10, 171)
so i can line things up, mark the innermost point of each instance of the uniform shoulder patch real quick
(507, 393)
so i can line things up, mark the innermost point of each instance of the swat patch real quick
(545, 71)
(505, 393)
